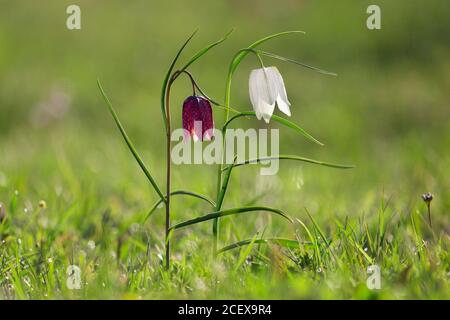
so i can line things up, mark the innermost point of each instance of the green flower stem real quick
(219, 200)
(172, 79)
(237, 58)
(168, 171)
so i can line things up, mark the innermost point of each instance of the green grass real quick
(329, 260)
(385, 112)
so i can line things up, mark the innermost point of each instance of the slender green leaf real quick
(223, 213)
(178, 192)
(213, 101)
(317, 227)
(288, 243)
(360, 249)
(380, 229)
(129, 143)
(278, 119)
(243, 53)
(226, 179)
(205, 50)
(245, 254)
(322, 235)
(291, 157)
(368, 237)
(167, 77)
(313, 241)
(220, 197)
(275, 56)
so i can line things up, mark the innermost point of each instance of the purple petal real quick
(197, 118)
(207, 118)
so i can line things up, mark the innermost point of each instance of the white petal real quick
(266, 110)
(283, 106)
(263, 92)
(253, 92)
(276, 81)
(263, 85)
(209, 134)
(271, 79)
(258, 115)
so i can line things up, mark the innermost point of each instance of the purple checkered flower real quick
(198, 120)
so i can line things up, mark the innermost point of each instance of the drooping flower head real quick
(197, 117)
(266, 87)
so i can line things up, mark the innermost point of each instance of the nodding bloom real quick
(266, 87)
(197, 118)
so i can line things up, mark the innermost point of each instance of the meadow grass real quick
(72, 194)
(95, 223)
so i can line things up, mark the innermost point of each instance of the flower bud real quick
(198, 120)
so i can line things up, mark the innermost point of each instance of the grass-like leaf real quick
(292, 157)
(287, 243)
(313, 241)
(129, 143)
(322, 235)
(278, 119)
(178, 192)
(243, 53)
(167, 77)
(360, 249)
(275, 56)
(205, 50)
(317, 227)
(226, 179)
(228, 212)
(220, 197)
(243, 256)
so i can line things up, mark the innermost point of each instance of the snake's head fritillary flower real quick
(266, 87)
(198, 120)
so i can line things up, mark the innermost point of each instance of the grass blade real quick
(205, 50)
(278, 119)
(228, 212)
(220, 197)
(275, 56)
(226, 179)
(178, 192)
(322, 235)
(288, 243)
(242, 54)
(361, 250)
(243, 256)
(313, 241)
(292, 157)
(129, 143)
(317, 227)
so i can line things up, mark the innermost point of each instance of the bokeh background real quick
(387, 112)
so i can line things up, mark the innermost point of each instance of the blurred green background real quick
(387, 111)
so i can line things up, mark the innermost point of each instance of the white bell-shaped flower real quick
(266, 87)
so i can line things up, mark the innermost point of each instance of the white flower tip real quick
(284, 106)
(267, 117)
(208, 135)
